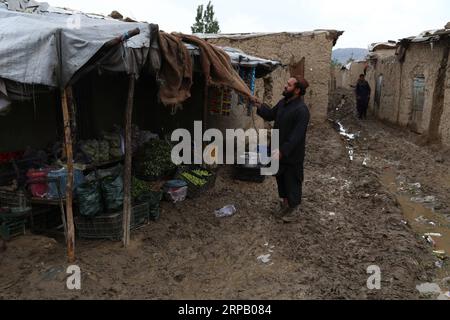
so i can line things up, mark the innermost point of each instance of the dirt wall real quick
(397, 89)
(290, 49)
(444, 128)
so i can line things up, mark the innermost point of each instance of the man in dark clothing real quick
(291, 116)
(362, 96)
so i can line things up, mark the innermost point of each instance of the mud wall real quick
(396, 101)
(390, 70)
(420, 59)
(291, 48)
(444, 129)
(349, 77)
(336, 80)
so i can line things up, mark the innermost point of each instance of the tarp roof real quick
(48, 48)
(429, 35)
(239, 57)
(383, 46)
(53, 47)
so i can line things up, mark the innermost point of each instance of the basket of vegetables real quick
(153, 161)
(197, 178)
(142, 192)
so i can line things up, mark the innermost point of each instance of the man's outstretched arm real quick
(265, 112)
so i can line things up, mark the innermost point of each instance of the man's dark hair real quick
(301, 84)
(362, 75)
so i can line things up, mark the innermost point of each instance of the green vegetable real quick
(154, 159)
(139, 188)
(201, 173)
(193, 179)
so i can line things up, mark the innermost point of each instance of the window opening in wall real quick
(418, 103)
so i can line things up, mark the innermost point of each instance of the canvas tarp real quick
(49, 48)
(175, 75)
(216, 65)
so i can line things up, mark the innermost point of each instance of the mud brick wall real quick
(348, 77)
(420, 59)
(397, 89)
(389, 68)
(444, 129)
(290, 49)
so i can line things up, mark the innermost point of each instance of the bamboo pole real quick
(69, 192)
(128, 160)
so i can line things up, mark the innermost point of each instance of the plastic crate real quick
(110, 226)
(12, 228)
(140, 215)
(194, 190)
(14, 199)
(13, 223)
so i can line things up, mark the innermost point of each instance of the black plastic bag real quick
(89, 199)
(112, 188)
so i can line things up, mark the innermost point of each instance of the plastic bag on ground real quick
(227, 211)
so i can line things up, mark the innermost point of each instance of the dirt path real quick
(350, 220)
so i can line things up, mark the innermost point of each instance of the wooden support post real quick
(205, 107)
(128, 160)
(69, 192)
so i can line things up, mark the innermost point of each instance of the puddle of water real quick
(420, 217)
(343, 132)
(351, 153)
(366, 161)
(349, 137)
(424, 220)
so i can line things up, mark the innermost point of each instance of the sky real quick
(364, 22)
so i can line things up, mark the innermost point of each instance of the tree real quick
(335, 63)
(205, 22)
(351, 59)
(199, 25)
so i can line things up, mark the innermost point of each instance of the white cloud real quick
(364, 22)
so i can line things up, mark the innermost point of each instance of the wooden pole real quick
(205, 107)
(128, 159)
(69, 192)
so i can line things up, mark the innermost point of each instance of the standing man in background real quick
(362, 91)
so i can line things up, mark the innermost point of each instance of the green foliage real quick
(193, 179)
(199, 25)
(154, 159)
(139, 187)
(205, 21)
(336, 63)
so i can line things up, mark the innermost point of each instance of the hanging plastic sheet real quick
(249, 77)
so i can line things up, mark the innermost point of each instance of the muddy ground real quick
(351, 218)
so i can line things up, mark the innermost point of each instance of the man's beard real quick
(288, 94)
